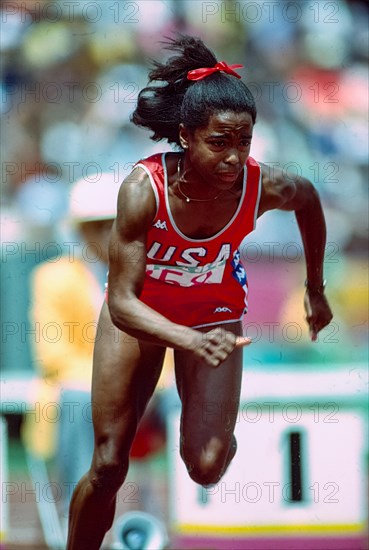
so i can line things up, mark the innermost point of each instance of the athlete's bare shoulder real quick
(136, 201)
(276, 189)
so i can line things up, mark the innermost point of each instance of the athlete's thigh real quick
(125, 373)
(210, 396)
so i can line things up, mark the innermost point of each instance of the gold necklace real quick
(189, 199)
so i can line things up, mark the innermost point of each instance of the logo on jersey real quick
(222, 310)
(161, 225)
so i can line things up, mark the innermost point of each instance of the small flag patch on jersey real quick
(238, 271)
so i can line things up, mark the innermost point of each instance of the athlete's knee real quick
(207, 466)
(108, 470)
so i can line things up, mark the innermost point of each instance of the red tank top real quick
(197, 282)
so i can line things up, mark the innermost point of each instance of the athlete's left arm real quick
(299, 194)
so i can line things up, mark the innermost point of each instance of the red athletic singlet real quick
(197, 282)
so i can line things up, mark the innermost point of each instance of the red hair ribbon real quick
(199, 74)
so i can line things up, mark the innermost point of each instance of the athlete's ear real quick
(183, 136)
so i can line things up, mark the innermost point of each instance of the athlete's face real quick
(217, 153)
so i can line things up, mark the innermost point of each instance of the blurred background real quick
(71, 72)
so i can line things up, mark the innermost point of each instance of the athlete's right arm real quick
(127, 266)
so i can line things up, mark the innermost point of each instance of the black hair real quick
(161, 108)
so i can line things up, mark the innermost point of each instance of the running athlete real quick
(176, 277)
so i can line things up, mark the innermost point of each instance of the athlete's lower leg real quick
(93, 506)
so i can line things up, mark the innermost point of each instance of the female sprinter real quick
(176, 278)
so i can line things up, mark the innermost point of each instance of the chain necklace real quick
(189, 199)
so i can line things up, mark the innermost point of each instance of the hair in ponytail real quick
(161, 108)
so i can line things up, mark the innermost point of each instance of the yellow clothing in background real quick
(66, 301)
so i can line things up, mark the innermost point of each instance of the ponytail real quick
(161, 108)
